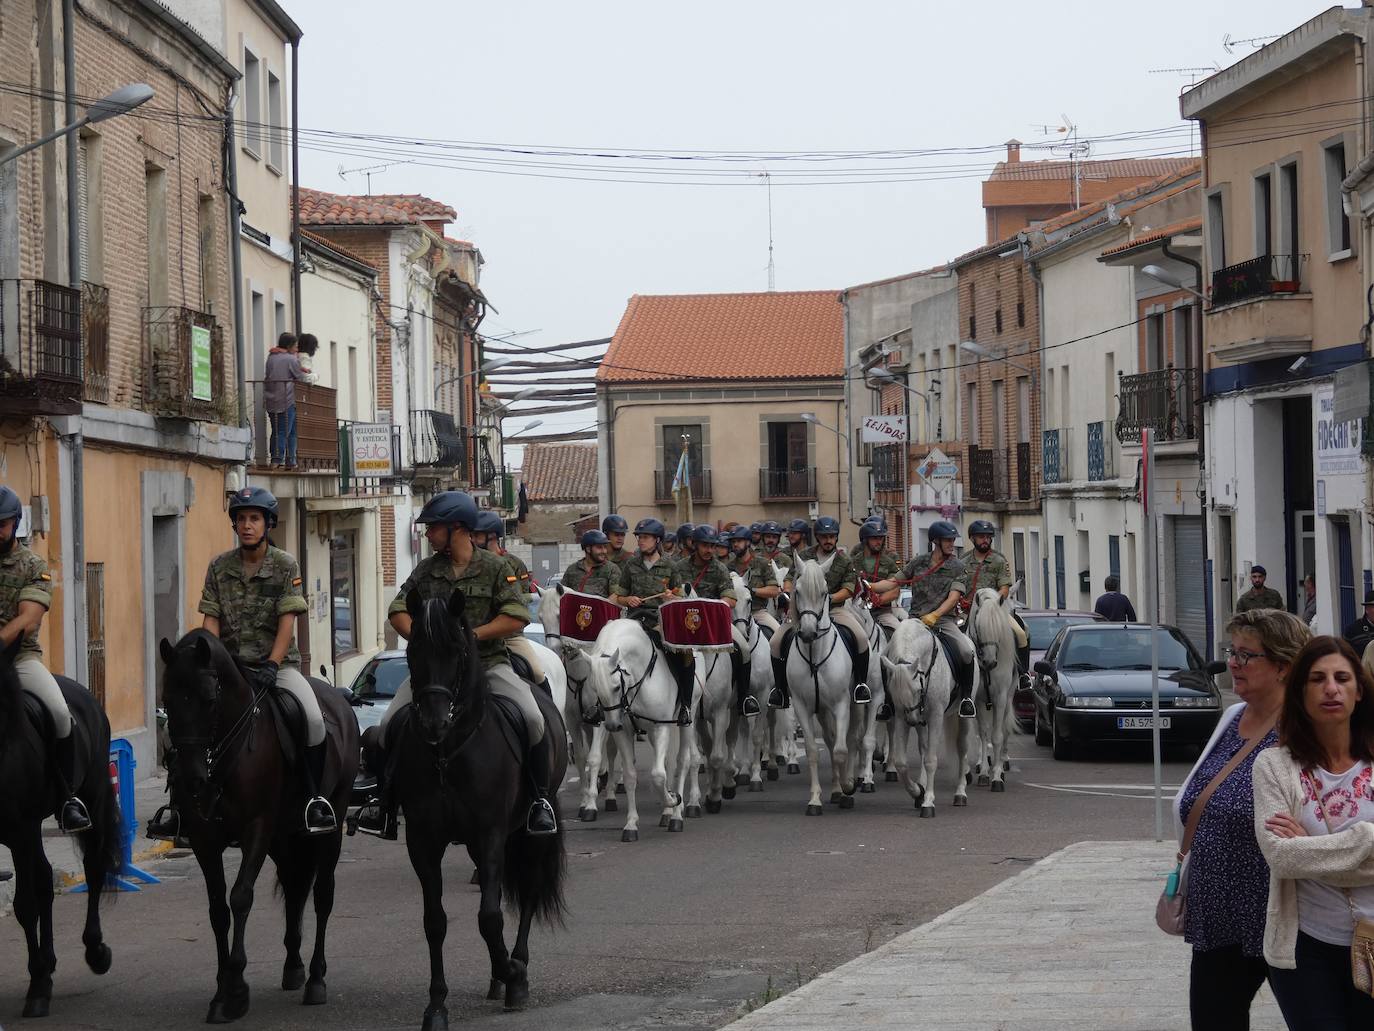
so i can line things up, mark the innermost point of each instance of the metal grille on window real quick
(95, 630)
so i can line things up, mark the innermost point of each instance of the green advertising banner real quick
(200, 364)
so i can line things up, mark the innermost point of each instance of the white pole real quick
(1147, 505)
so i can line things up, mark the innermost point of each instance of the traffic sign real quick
(937, 469)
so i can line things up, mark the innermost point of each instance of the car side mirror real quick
(1046, 670)
(1215, 667)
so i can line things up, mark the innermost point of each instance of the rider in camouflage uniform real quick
(593, 573)
(709, 577)
(757, 573)
(874, 563)
(25, 597)
(615, 528)
(490, 529)
(496, 612)
(772, 534)
(798, 539)
(756, 533)
(251, 599)
(841, 580)
(646, 581)
(988, 568)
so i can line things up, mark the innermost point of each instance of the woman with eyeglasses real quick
(1314, 816)
(1225, 877)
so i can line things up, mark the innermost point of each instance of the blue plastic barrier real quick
(122, 766)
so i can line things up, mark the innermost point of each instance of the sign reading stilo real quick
(369, 445)
(883, 429)
(201, 389)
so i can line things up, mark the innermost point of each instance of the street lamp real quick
(120, 102)
(885, 377)
(525, 428)
(481, 370)
(1163, 275)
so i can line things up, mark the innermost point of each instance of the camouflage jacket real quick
(640, 580)
(758, 572)
(249, 608)
(588, 578)
(711, 580)
(519, 570)
(930, 587)
(841, 574)
(781, 557)
(1260, 598)
(621, 557)
(24, 576)
(991, 571)
(487, 589)
(872, 568)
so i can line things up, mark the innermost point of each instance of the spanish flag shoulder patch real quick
(511, 579)
(45, 576)
(296, 582)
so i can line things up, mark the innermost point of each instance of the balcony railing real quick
(40, 348)
(1164, 401)
(982, 479)
(95, 333)
(435, 441)
(1023, 471)
(317, 435)
(887, 466)
(999, 474)
(1056, 464)
(183, 353)
(700, 483)
(486, 467)
(369, 458)
(1101, 454)
(1258, 277)
(787, 484)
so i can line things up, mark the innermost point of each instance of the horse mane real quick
(742, 593)
(811, 581)
(447, 633)
(989, 618)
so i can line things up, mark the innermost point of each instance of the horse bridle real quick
(922, 679)
(630, 693)
(218, 755)
(814, 668)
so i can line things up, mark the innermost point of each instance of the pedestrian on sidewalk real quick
(1259, 596)
(279, 399)
(1314, 813)
(1114, 606)
(1227, 879)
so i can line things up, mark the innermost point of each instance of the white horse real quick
(990, 628)
(922, 687)
(750, 737)
(866, 716)
(819, 673)
(634, 686)
(715, 723)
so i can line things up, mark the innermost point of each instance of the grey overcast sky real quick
(562, 257)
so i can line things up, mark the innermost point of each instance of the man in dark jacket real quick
(1361, 632)
(1114, 606)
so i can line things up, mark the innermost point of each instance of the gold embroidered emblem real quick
(583, 619)
(692, 620)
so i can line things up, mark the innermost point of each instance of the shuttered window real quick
(95, 630)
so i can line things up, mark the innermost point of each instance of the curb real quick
(65, 879)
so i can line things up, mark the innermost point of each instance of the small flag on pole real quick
(682, 485)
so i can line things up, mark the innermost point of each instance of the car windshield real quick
(1044, 629)
(380, 678)
(1122, 648)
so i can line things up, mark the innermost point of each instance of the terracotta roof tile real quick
(328, 244)
(382, 209)
(560, 472)
(1190, 167)
(1188, 225)
(764, 336)
(1125, 168)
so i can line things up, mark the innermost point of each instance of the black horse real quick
(30, 796)
(238, 786)
(460, 777)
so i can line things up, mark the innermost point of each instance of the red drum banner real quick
(581, 616)
(700, 623)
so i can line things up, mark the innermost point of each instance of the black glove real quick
(265, 676)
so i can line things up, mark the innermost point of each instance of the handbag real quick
(1362, 942)
(1171, 909)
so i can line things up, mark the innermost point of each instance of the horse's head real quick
(812, 601)
(744, 598)
(912, 651)
(445, 674)
(197, 671)
(549, 598)
(605, 673)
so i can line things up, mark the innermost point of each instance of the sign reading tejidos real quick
(883, 429)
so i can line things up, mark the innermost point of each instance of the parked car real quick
(1043, 626)
(372, 691)
(1094, 685)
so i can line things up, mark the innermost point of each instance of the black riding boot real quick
(862, 694)
(746, 703)
(541, 819)
(378, 815)
(319, 814)
(682, 676)
(781, 696)
(966, 671)
(72, 817)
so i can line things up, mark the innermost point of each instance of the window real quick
(95, 630)
(1064, 397)
(276, 134)
(1183, 336)
(89, 170)
(1020, 297)
(972, 311)
(257, 314)
(672, 448)
(1048, 410)
(997, 320)
(1154, 341)
(278, 319)
(971, 414)
(1023, 410)
(1113, 554)
(1289, 242)
(251, 111)
(343, 548)
(1264, 211)
(354, 412)
(1018, 563)
(788, 471)
(1337, 221)
(1059, 572)
(1216, 230)
(155, 201)
(205, 224)
(999, 409)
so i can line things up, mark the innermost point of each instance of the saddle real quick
(962, 670)
(290, 721)
(512, 723)
(846, 635)
(38, 715)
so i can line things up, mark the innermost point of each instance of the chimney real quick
(1014, 149)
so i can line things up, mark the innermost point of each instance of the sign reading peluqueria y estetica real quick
(1337, 440)
(369, 444)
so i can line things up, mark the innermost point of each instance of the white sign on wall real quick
(1337, 441)
(370, 444)
(937, 470)
(883, 429)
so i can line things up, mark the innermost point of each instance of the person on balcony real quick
(279, 399)
(305, 354)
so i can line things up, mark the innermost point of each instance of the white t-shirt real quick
(1340, 800)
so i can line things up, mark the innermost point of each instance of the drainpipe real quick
(77, 515)
(231, 187)
(295, 182)
(848, 417)
(1196, 266)
(1046, 543)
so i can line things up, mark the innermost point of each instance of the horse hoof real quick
(216, 1014)
(713, 805)
(793, 768)
(961, 800)
(496, 990)
(927, 811)
(692, 812)
(587, 815)
(292, 977)
(999, 786)
(867, 788)
(773, 773)
(518, 987)
(846, 801)
(237, 1004)
(741, 779)
(663, 820)
(612, 805)
(315, 994)
(728, 791)
(984, 780)
(620, 789)
(674, 826)
(755, 785)
(98, 958)
(814, 810)
(890, 776)
(835, 796)
(37, 1006)
(436, 1017)
(628, 835)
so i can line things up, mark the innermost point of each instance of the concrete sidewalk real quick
(1070, 943)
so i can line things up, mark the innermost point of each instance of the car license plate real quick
(1140, 723)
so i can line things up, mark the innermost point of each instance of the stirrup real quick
(750, 702)
(884, 712)
(862, 695)
(967, 710)
(77, 819)
(541, 820)
(776, 699)
(165, 825)
(327, 823)
(374, 819)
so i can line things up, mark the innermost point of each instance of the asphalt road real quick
(675, 931)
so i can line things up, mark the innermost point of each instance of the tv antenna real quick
(1229, 45)
(1193, 73)
(344, 173)
(767, 178)
(1077, 151)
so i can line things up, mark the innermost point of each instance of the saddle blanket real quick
(581, 616)
(700, 624)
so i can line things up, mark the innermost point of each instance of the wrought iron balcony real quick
(40, 348)
(435, 441)
(95, 335)
(887, 466)
(1056, 456)
(183, 354)
(1101, 454)
(1258, 277)
(999, 474)
(700, 483)
(1164, 401)
(787, 484)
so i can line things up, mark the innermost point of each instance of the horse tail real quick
(535, 870)
(104, 842)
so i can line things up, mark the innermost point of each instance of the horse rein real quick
(630, 693)
(218, 759)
